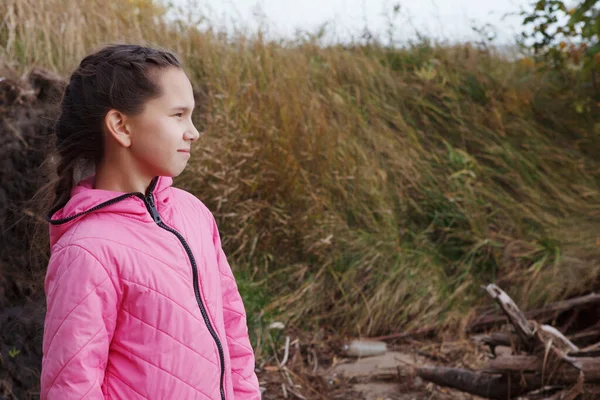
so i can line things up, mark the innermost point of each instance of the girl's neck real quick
(117, 178)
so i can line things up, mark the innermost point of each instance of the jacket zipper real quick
(151, 205)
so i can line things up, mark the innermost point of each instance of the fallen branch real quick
(551, 359)
(588, 336)
(563, 373)
(524, 328)
(542, 315)
(521, 363)
(498, 387)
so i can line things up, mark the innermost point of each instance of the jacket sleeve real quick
(80, 320)
(245, 382)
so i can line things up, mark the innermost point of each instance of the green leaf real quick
(563, 7)
(12, 353)
(540, 5)
(588, 32)
(593, 50)
(581, 10)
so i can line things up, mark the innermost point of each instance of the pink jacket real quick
(141, 301)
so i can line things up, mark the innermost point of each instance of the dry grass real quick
(366, 188)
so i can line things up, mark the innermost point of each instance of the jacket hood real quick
(85, 199)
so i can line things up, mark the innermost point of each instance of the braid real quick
(64, 183)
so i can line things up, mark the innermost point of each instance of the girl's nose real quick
(192, 134)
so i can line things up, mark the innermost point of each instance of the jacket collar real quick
(85, 199)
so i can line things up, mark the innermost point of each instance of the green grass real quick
(365, 188)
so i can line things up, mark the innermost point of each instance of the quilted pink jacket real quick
(141, 302)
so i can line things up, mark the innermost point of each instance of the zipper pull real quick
(153, 211)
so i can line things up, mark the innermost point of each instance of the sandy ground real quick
(390, 376)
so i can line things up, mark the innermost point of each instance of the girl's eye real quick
(179, 115)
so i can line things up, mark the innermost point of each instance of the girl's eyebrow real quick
(181, 108)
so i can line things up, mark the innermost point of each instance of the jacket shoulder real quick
(87, 231)
(191, 203)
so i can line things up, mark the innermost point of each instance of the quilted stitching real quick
(165, 296)
(235, 312)
(163, 370)
(72, 310)
(108, 372)
(94, 383)
(230, 338)
(131, 248)
(65, 270)
(71, 359)
(176, 340)
(148, 270)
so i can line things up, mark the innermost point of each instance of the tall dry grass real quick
(361, 187)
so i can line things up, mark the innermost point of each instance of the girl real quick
(141, 302)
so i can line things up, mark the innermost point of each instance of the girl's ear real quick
(117, 128)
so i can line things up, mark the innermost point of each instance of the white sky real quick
(443, 19)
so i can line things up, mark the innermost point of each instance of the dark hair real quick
(120, 77)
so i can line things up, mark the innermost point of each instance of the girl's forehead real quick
(175, 85)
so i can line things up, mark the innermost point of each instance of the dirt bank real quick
(27, 109)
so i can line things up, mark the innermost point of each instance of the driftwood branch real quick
(547, 333)
(589, 336)
(497, 386)
(550, 358)
(524, 328)
(563, 372)
(542, 315)
(520, 363)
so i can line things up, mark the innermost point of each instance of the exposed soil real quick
(27, 109)
(387, 376)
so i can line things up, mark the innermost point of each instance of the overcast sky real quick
(446, 19)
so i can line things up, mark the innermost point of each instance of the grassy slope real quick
(366, 188)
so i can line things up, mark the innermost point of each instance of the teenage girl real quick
(141, 302)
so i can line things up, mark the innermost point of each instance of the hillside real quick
(360, 189)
